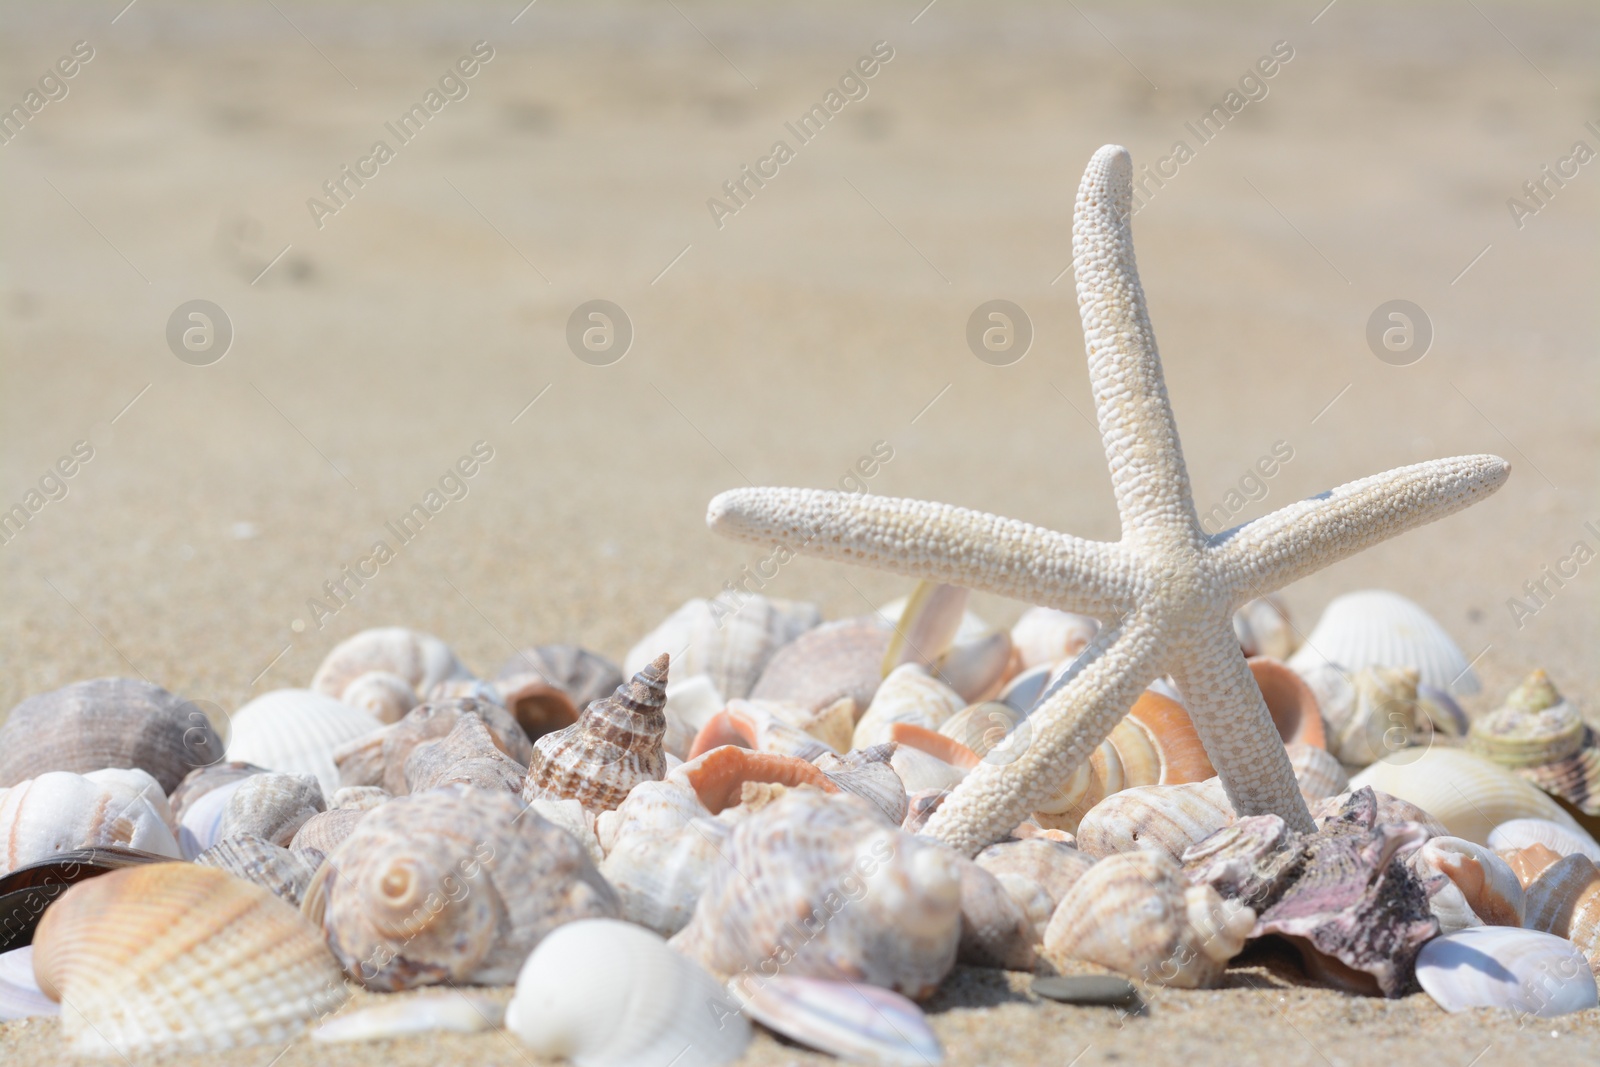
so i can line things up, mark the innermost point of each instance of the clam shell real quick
(26, 892)
(1164, 818)
(609, 994)
(327, 830)
(453, 885)
(1136, 914)
(1467, 793)
(296, 731)
(854, 1022)
(819, 881)
(546, 686)
(1378, 628)
(176, 956)
(1036, 872)
(383, 695)
(285, 873)
(1519, 833)
(1045, 637)
(453, 1012)
(59, 810)
(420, 659)
(1501, 967)
(20, 997)
(1467, 884)
(731, 644)
(909, 694)
(1263, 628)
(824, 665)
(271, 806)
(107, 722)
(1318, 773)
(615, 744)
(1565, 900)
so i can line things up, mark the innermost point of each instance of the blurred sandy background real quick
(822, 318)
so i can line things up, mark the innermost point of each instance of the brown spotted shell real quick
(107, 722)
(455, 885)
(615, 744)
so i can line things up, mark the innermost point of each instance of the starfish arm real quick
(1306, 536)
(1229, 714)
(934, 541)
(1061, 733)
(1141, 438)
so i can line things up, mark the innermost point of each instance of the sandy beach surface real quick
(776, 344)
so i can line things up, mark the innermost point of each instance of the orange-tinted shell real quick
(719, 776)
(615, 744)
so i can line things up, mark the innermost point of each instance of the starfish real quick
(1165, 592)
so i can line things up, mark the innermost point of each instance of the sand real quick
(826, 315)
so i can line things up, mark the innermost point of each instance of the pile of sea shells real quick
(726, 831)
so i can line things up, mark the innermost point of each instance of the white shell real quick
(661, 845)
(855, 1022)
(691, 702)
(60, 810)
(456, 1012)
(1047, 637)
(1467, 793)
(202, 820)
(19, 991)
(1504, 967)
(1263, 629)
(910, 694)
(1378, 628)
(1162, 818)
(604, 993)
(296, 731)
(921, 772)
(271, 806)
(1468, 885)
(575, 819)
(729, 642)
(1520, 833)
(421, 660)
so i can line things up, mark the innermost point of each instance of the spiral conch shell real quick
(419, 659)
(1539, 734)
(1467, 884)
(818, 886)
(179, 957)
(380, 757)
(1136, 913)
(383, 695)
(661, 845)
(1164, 818)
(615, 744)
(271, 806)
(60, 810)
(453, 885)
(1036, 872)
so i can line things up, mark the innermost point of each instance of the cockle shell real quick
(818, 885)
(271, 806)
(545, 687)
(107, 722)
(1467, 884)
(180, 957)
(1036, 872)
(26, 892)
(453, 1012)
(1317, 772)
(296, 731)
(201, 800)
(1519, 833)
(467, 755)
(379, 758)
(1540, 735)
(1136, 914)
(995, 930)
(1565, 900)
(1377, 628)
(718, 776)
(859, 1023)
(1047, 637)
(1263, 628)
(20, 996)
(327, 830)
(455, 885)
(383, 695)
(1467, 793)
(422, 660)
(1500, 967)
(603, 993)
(661, 853)
(731, 643)
(909, 694)
(1163, 818)
(823, 665)
(869, 774)
(59, 810)
(285, 873)
(615, 744)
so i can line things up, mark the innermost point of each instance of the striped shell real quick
(201, 800)
(730, 642)
(467, 755)
(383, 695)
(826, 664)
(283, 872)
(1036, 872)
(271, 806)
(660, 853)
(456, 885)
(1519, 833)
(1565, 900)
(1377, 628)
(327, 830)
(1467, 884)
(296, 731)
(1163, 818)
(179, 957)
(615, 744)
(420, 659)
(107, 722)
(59, 810)
(1317, 772)
(379, 758)
(1541, 736)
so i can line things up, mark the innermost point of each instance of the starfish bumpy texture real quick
(1165, 592)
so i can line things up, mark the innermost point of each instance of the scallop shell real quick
(296, 731)
(59, 810)
(820, 885)
(869, 774)
(995, 930)
(1519, 833)
(1565, 900)
(180, 957)
(909, 694)
(1529, 862)
(1036, 872)
(1377, 628)
(453, 1012)
(615, 744)
(1467, 793)
(853, 1022)
(1499, 967)
(661, 854)
(1136, 914)
(1045, 637)
(383, 695)
(1467, 884)
(271, 806)
(327, 830)
(610, 994)
(20, 997)
(1540, 735)
(718, 776)
(1317, 772)
(107, 722)
(465, 756)
(422, 660)
(455, 885)
(731, 644)
(545, 687)
(826, 664)
(1263, 628)
(283, 872)
(1163, 818)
